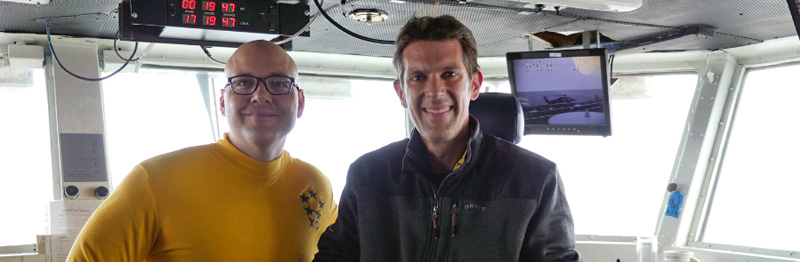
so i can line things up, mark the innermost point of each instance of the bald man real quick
(242, 198)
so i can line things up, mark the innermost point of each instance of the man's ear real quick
(399, 89)
(222, 102)
(301, 102)
(475, 86)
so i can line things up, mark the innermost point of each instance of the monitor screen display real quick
(562, 92)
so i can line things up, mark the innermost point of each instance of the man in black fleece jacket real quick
(449, 192)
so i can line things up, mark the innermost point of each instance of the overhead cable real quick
(55, 57)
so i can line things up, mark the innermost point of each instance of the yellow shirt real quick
(211, 203)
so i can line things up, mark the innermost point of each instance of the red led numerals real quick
(209, 6)
(189, 19)
(209, 20)
(228, 21)
(188, 4)
(228, 7)
(208, 17)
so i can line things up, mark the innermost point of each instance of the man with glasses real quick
(242, 198)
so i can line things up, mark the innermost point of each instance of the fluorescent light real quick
(599, 5)
(33, 2)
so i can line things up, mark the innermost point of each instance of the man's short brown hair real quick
(438, 28)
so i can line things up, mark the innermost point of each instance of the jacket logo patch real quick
(313, 206)
(474, 206)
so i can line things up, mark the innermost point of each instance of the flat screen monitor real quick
(562, 92)
(794, 8)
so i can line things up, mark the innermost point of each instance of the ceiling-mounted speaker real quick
(598, 5)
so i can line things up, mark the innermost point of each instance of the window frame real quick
(712, 173)
(683, 233)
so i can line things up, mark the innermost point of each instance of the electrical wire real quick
(610, 64)
(120, 56)
(283, 41)
(205, 50)
(55, 57)
(279, 42)
(373, 40)
(69, 16)
(611, 69)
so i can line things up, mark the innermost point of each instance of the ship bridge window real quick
(496, 85)
(615, 185)
(26, 173)
(755, 199)
(152, 113)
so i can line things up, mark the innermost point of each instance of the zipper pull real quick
(435, 230)
(453, 220)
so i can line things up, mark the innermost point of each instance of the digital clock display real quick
(189, 19)
(209, 6)
(208, 12)
(209, 20)
(188, 4)
(229, 21)
(256, 16)
(228, 7)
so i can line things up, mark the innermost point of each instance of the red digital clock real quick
(217, 22)
(189, 19)
(209, 6)
(188, 4)
(208, 13)
(209, 20)
(229, 21)
(228, 7)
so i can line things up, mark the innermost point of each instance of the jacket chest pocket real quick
(486, 230)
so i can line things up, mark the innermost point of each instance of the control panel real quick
(84, 172)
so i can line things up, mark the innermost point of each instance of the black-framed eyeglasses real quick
(275, 84)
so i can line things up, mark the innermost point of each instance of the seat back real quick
(499, 114)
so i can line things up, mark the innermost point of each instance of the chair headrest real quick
(499, 114)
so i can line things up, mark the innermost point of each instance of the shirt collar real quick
(415, 159)
(249, 167)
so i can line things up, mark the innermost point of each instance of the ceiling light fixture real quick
(368, 15)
